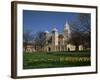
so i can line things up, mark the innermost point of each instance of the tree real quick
(76, 39)
(40, 40)
(86, 23)
(27, 37)
(80, 32)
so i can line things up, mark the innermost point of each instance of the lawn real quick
(56, 59)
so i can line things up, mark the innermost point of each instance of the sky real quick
(35, 21)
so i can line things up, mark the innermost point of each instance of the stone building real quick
(56, 41)
(59, 41)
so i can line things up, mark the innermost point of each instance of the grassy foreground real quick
(55, 59)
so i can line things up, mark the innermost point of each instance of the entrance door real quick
(49, 49)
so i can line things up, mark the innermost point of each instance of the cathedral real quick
(57, 41)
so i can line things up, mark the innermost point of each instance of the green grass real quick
(56, 59)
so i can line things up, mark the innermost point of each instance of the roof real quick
(60, 36)
(46, 31)
(54, 29)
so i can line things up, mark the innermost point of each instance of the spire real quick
(67, 27)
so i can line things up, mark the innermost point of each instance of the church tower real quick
(54, 39)
(46, 36)
(55, 36)
(67, 31)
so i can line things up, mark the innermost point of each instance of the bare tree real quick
(85, 20)
(40, 40)
(80, 33)
(76, 39)
(27, 37)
